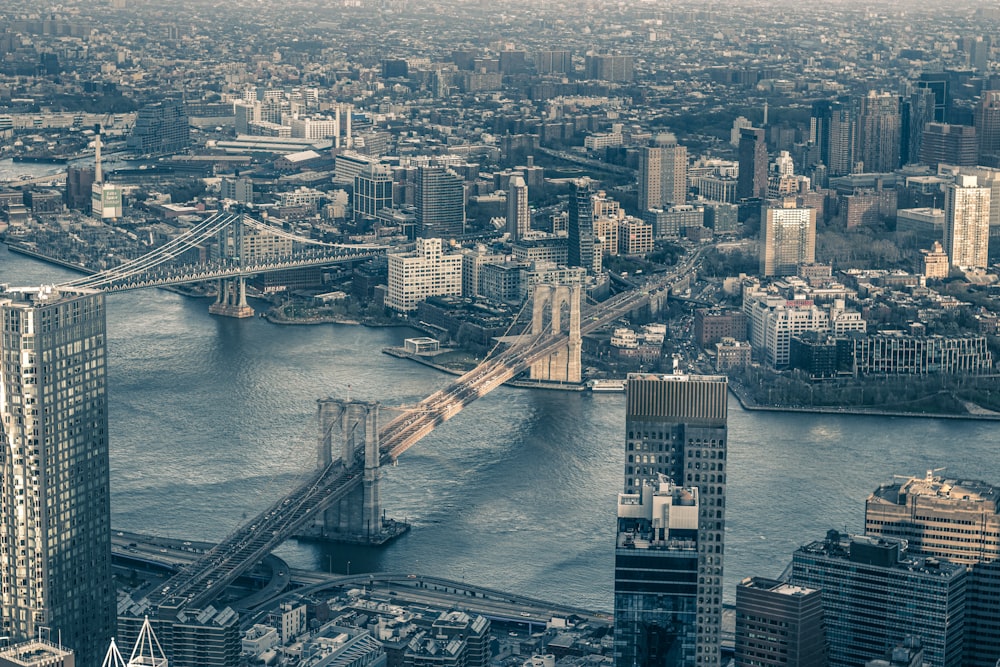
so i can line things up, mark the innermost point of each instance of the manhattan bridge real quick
(352, 448)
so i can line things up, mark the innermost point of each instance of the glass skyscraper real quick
(671, 613)
(55, 513)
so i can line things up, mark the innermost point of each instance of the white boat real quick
(606, 385)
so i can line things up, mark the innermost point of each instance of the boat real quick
(606, 385)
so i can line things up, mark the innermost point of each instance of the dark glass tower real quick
(581, 227)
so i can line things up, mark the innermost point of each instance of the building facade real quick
(779, 624)
(55, 551)
(662, 173)
(518, 212)
(788, 239)
(875, 594)
(440, 200)
(879, 128)
(752, 153)
(656, 576)
(582, 246)
(427, 271)
(956, 519)
(967, 223)
(676, 426)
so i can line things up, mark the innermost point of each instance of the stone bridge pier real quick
(556, 310)
(349, 433)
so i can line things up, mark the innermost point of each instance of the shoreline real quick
(854, 410)
(17, 247)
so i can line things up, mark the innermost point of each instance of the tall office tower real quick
(55, 512)
(967, 223)
(938, 83)
(656, 576)
(988, 128)
(582, 244)
(949, 144)
(788, 238)
(160, 128)
(662, 173)
(779, 624)
(917, 111)
(518, 213)
(676, 426)
(875, 594)
(752, 155)
(878, 136)
(372, 191)
(440, 200)
(958, 520)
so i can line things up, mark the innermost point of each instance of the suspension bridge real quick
(357, 466)
(239, 246)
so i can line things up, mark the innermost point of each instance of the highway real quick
(198, 583)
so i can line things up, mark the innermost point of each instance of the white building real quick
(775, 320)
(967, 223)
(427, 271)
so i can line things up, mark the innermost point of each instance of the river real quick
(212, 419)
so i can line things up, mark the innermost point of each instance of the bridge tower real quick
(349, 431)
(558, 306)
(232, 298)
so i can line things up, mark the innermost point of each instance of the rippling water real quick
(212, 419)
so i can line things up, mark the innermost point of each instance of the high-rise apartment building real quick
(967, 223)
(582, 246)
(788, 238)
(160, 128)
(662, 173)
(840, 145)
(609, 67)
(440, 200)
(656, 576)
(955, 519)
(553, 62)
(879, 132)
(55, 511)
(676, 426)
(875, 594)
(752, 154)
(779, 624)
(987, 118)
(518, 212)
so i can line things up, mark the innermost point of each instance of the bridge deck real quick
(204, 579)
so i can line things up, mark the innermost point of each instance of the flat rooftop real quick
(963, 490)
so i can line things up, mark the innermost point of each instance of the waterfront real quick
(213, 418)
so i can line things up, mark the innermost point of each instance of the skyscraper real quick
(662, 173)
(518, 213)
(875, 594)
(752, 155)
(440, 200)
(987, 117)
(840, 145)
(949, 144)
(55, 513)
(656, 554)
(967, 222)
(956, 519)
(581, 228)
(676, 427)
(372, 191)
(878, 136)
(917, 111)
(788, 238)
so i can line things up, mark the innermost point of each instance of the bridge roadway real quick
(197, 584)
(156, 268)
